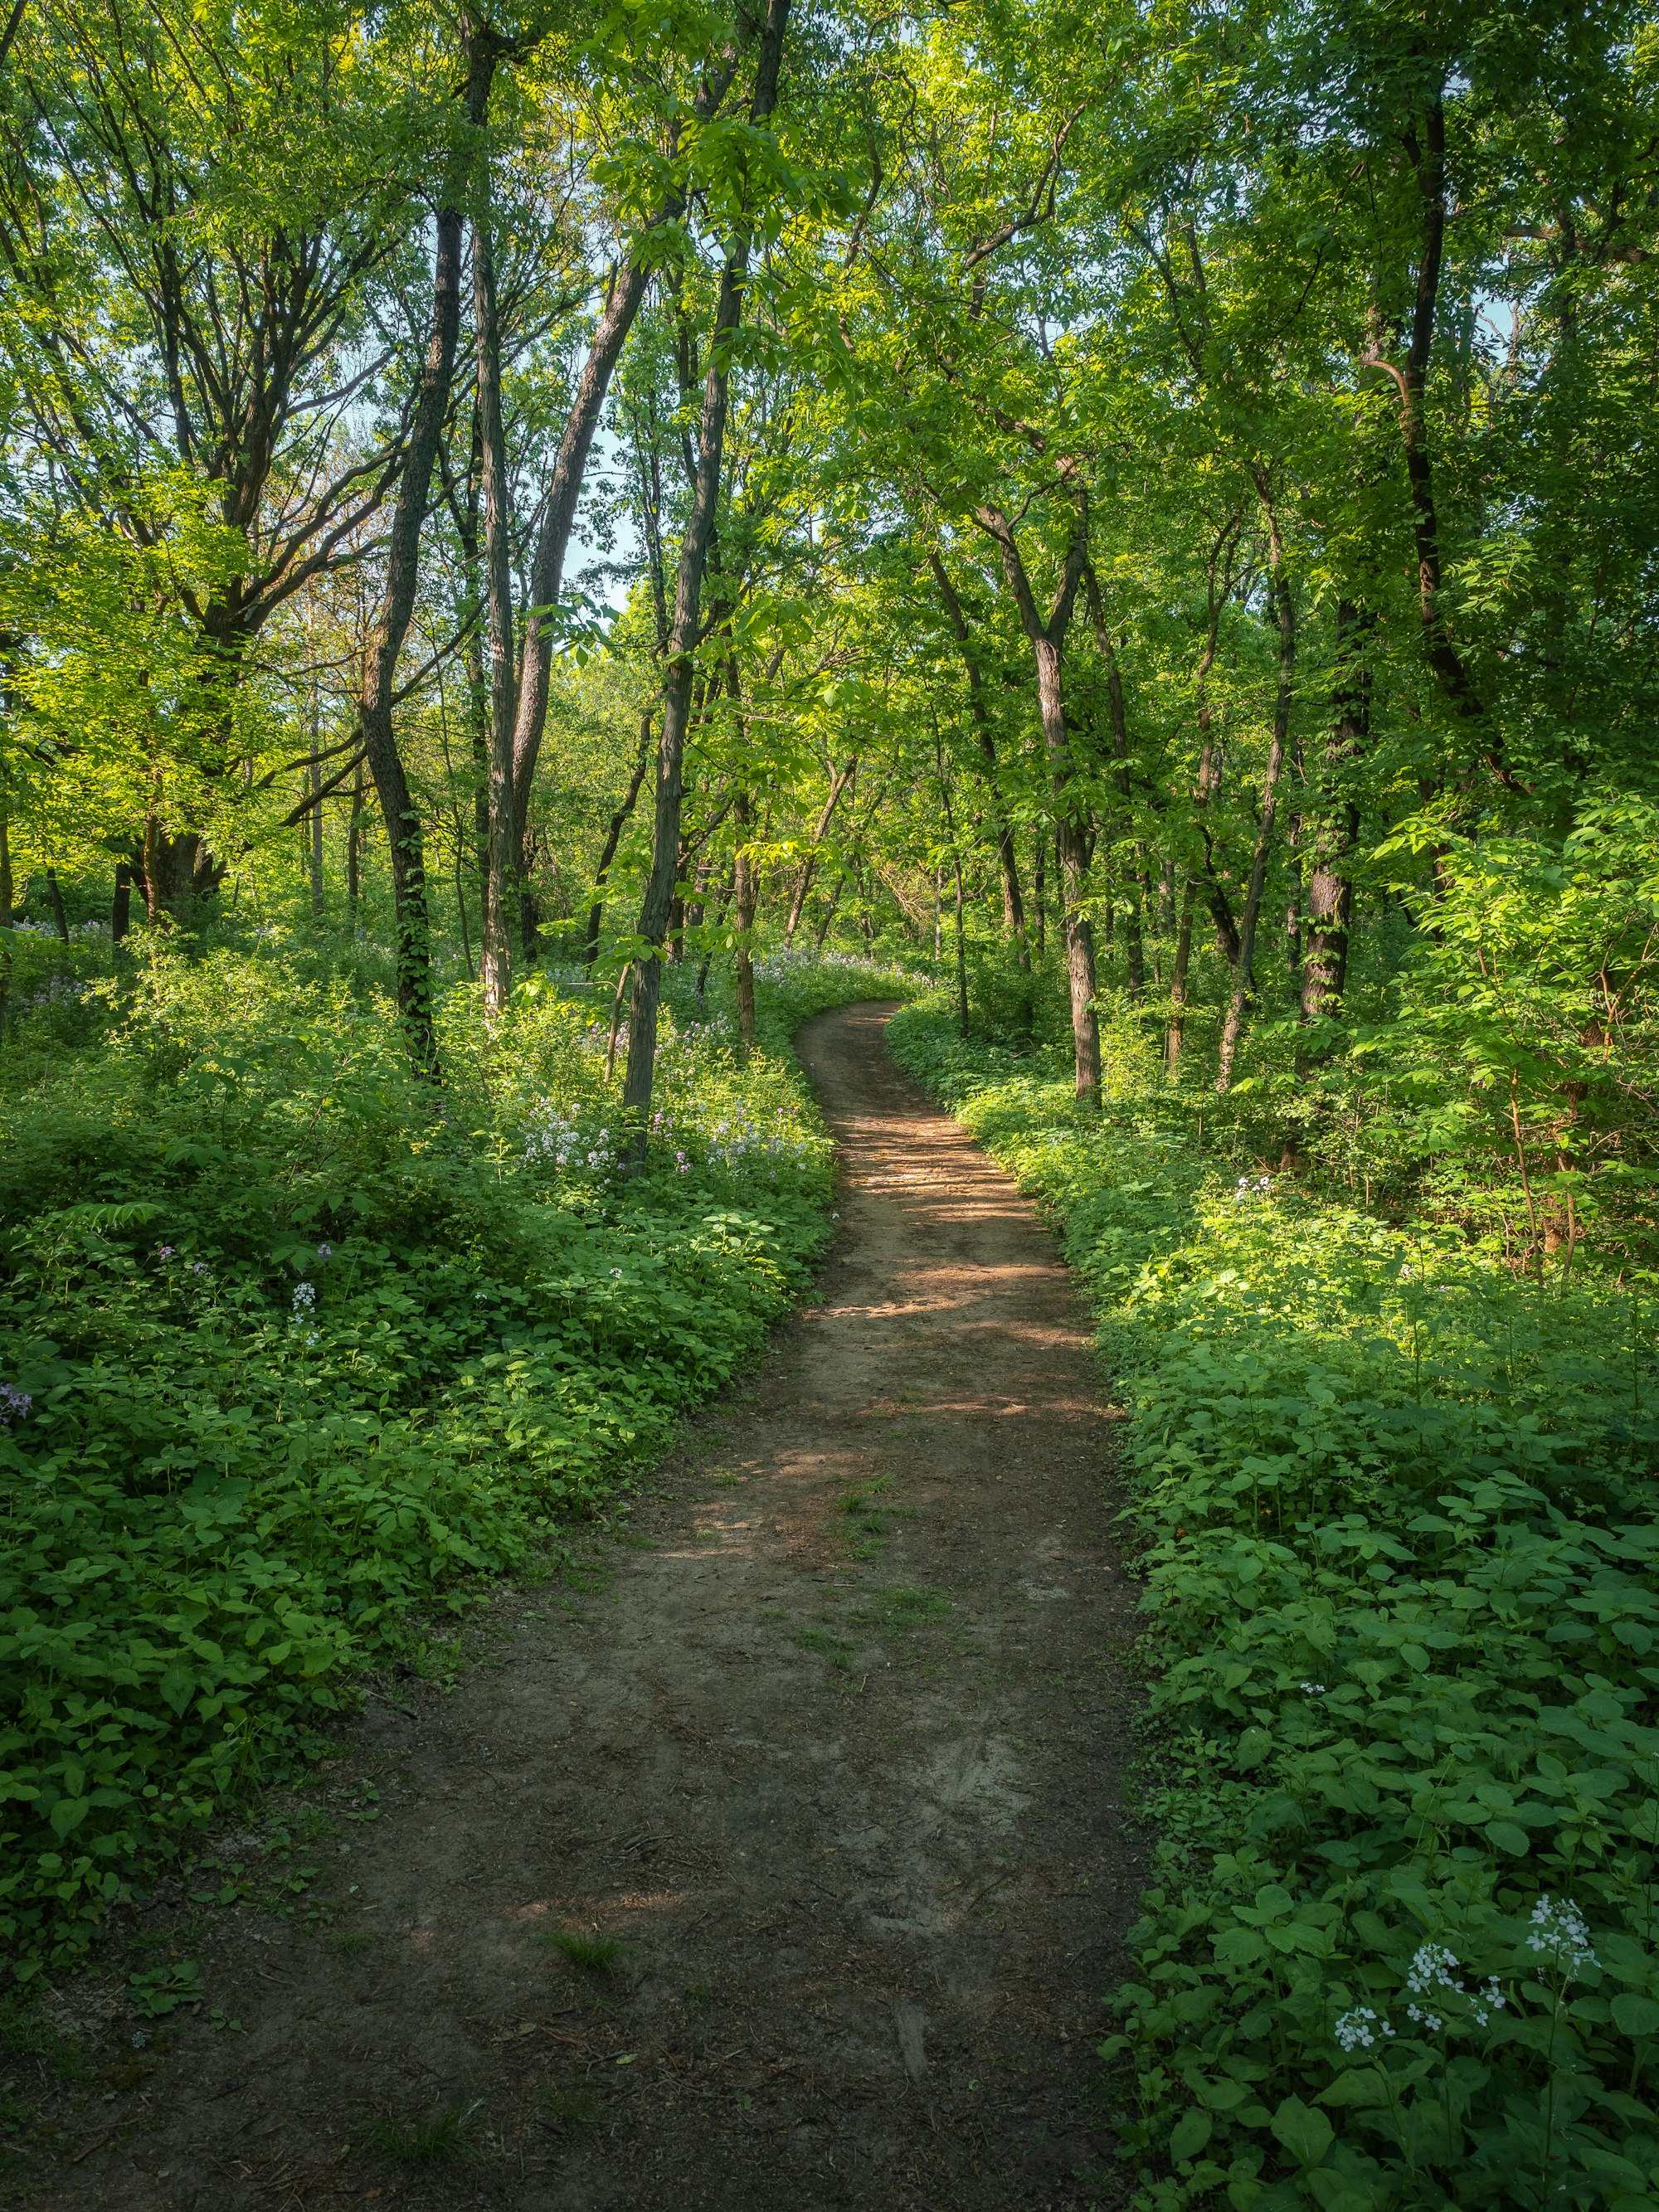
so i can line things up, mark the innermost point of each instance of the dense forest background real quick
(537, 548)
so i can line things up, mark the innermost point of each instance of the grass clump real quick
(593, 1953)
(440, 2138)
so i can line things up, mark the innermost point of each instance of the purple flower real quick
(325, 1251)
(165, 1252)
(14, 1406)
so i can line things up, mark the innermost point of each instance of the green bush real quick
(1396, 1516)
(291, 1352)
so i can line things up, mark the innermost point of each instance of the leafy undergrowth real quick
(1399, 1529)
(288, 1360)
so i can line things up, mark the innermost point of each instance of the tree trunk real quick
(505, 846)
(55, 900)
(1014, 906)
(314, 846)
(355, 850)
(743, 889)
(1232, 1026)
(1333, 831)
(618, 822)
(1048, 643)
(840, 779)
(623, 302)
(386, 642)
(120, 909)
(683, 632)
(1133, 944)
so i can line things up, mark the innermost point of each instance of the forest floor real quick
(829, 1737)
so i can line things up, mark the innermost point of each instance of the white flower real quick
(305, 1298)
(1359, 2030)
(1559, 1935)
(1314, 1689)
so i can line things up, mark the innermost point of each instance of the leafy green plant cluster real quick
(1399, 1532)
(293, 1350)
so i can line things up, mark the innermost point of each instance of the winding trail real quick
(841, 1775)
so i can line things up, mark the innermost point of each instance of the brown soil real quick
(838, 1763)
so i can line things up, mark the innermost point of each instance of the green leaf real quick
(1635, 2015)
(1253, 1747)
(1508, 1837)
(1305, 2133)
(1190, 2134)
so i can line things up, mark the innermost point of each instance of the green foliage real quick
(292, 1359)
(595, 1954)
(437, 2138)
(1399, 1530)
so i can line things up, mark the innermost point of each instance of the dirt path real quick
(829, 1742)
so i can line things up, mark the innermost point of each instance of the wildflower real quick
(1314, 1689)
(165, 1252)
(325, 1251)
(616, 1274)
(199, 1268)
(1559, 1935)
(1360, 2029)
(304, 1298)
(14, 1406)
(1486, 2002)
(1432, 1971)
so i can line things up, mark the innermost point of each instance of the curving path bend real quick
(831, 1741)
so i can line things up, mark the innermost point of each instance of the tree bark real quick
(617, 823)
(683, 631)
(745, 887)
(1133, 942)
(839, 780)
(55, 900)
(505, 850)
(622, 305)
(1232, 1026)
(386, 642)
(1013, 905)
(1427, 153)
(1333, 829)
(1048, 643)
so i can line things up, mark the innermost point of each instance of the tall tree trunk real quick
(120, 909)
(613, 829)
(1040, 848)
(501, 880)
(1013, 905)
(1333, 829)
(55, 900)
(386, 642)
(683, 632)
(743, 890)
(1233, 1025)
(355, 850)
(627, 289)
(840, 779)
(1048, 643)
(314, 786)
(1426, 149)
(1133, 944)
